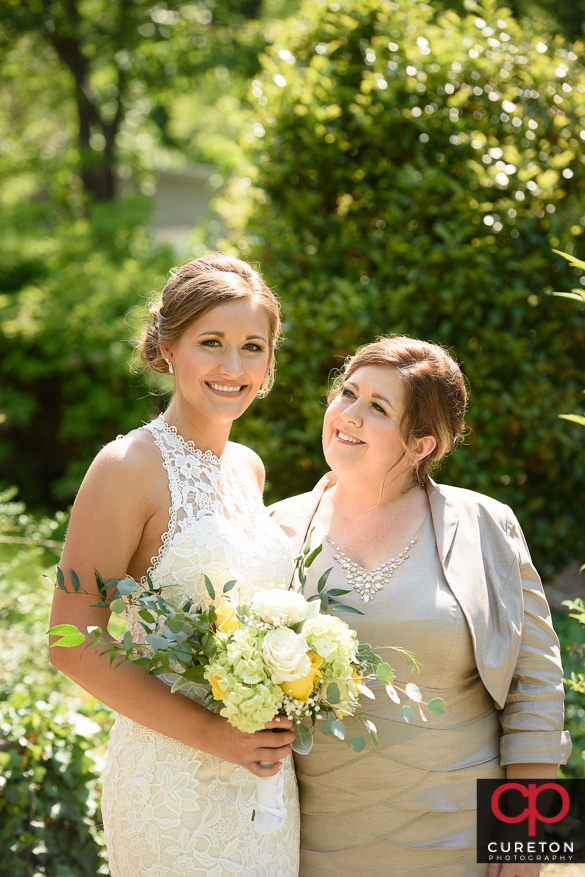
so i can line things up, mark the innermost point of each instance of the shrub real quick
(49, 804)
(65, 293)
(413, 176)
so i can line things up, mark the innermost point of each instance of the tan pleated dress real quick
(407, 806)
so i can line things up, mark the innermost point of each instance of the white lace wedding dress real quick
(170, 810)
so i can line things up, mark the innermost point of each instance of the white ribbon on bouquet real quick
(268, 802)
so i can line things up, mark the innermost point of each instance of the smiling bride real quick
(178, 500)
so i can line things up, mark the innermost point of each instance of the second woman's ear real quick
(421, 448)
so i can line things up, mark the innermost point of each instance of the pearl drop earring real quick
(170, 365)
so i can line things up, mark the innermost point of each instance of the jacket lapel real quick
(475, 565)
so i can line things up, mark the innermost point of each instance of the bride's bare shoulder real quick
(131, 460)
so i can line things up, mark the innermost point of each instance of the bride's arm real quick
(110, 524)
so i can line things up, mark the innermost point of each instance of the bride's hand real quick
(251, 749)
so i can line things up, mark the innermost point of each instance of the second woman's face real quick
(362, 424)
(220, 360)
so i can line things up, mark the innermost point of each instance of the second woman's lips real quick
(347, 439)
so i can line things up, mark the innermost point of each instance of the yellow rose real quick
(227, 618)
(316, 661)
(301, 688)
(218, 693)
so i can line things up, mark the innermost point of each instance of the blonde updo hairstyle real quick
(434, 393)
(195, 288)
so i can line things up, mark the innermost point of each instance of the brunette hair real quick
(435, 395)
(195, 288)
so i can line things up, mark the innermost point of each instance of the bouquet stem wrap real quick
(268, 802)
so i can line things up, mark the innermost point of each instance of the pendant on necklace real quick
(368, 581)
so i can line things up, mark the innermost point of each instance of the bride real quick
(177, 499)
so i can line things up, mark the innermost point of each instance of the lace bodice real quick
(218, 526)
(170, 810)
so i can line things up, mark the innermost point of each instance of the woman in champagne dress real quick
(444, 573)
(177, 499)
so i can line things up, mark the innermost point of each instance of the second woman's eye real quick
(378, 408)
(347, 393)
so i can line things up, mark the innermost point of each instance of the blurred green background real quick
(392, 166)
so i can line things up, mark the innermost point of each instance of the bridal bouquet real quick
(272, 653)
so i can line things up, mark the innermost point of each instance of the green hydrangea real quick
(335, 642)
(251, 698)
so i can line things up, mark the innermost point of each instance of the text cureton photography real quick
(531, 820)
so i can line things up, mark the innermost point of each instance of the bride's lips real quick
(226, 389)
(347, 441)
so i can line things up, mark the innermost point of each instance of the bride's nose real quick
(231, 363)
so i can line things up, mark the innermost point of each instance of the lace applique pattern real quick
(171, 810)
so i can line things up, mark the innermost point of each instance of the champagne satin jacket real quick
(488, 567)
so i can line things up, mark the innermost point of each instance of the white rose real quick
(285, 652)
(282, 607)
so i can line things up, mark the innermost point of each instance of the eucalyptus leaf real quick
(338, 592)
(63, 630)
(117, 606)
(407, 714)
(338, 728)
(229, 585)
(323, 580)
(175, 624)
(128, 641)
(303, 742)
(74, 580)
(307, 545)
(60, 577)
(210, 588)
(157, 642)
(413, 692)
(314, 554)
(146, 616)
(385, 673)
(357, 744)
(436, 706)
(342, 607)
(365, 690)
(127, 586)
(324, 602)
(75, 639)
(326, 726)
(392, 693)
(333, 695)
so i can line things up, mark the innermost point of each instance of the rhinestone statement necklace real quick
(368, 581)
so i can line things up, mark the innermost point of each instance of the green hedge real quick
(49, 801)
(70, 292)
(414, 176)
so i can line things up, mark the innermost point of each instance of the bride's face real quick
(220, 360)
(361, 430)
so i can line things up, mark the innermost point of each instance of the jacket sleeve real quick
(532, 718)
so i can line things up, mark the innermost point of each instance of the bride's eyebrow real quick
(374, 395)
(222, 335)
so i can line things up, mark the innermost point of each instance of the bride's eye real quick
(253, 348)
(210, 342)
